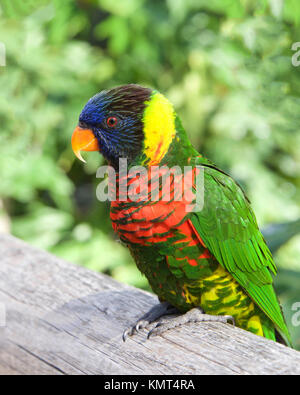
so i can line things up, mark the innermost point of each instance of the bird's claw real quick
(154, 331)
(155, 313)
(135, 329)
(195, 315)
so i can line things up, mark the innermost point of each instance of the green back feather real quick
(228, 227)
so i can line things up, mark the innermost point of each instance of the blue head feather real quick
(126, 103)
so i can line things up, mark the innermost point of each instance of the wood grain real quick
(64, 319)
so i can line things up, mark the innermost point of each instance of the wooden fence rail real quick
(59, 318)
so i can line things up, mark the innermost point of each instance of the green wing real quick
(228, 227)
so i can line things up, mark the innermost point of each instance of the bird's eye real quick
(82, 125)
(112, 122)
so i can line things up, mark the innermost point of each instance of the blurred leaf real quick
(43, 226)
(287, 285)
(277, 235)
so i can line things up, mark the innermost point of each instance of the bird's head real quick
(128, 121)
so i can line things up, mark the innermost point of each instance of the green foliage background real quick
(226, 66)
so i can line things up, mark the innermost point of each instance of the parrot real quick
(208, 262)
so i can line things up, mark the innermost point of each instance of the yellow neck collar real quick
(159, 128)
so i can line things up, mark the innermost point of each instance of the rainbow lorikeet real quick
(210, 263)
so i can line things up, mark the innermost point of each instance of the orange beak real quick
(83, 140)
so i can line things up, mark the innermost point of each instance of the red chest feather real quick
(155, 209)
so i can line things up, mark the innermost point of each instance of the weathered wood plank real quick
(64, 319)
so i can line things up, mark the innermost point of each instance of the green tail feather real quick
(272, 333)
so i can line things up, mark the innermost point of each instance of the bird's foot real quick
(193, 315)
(153, 314)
